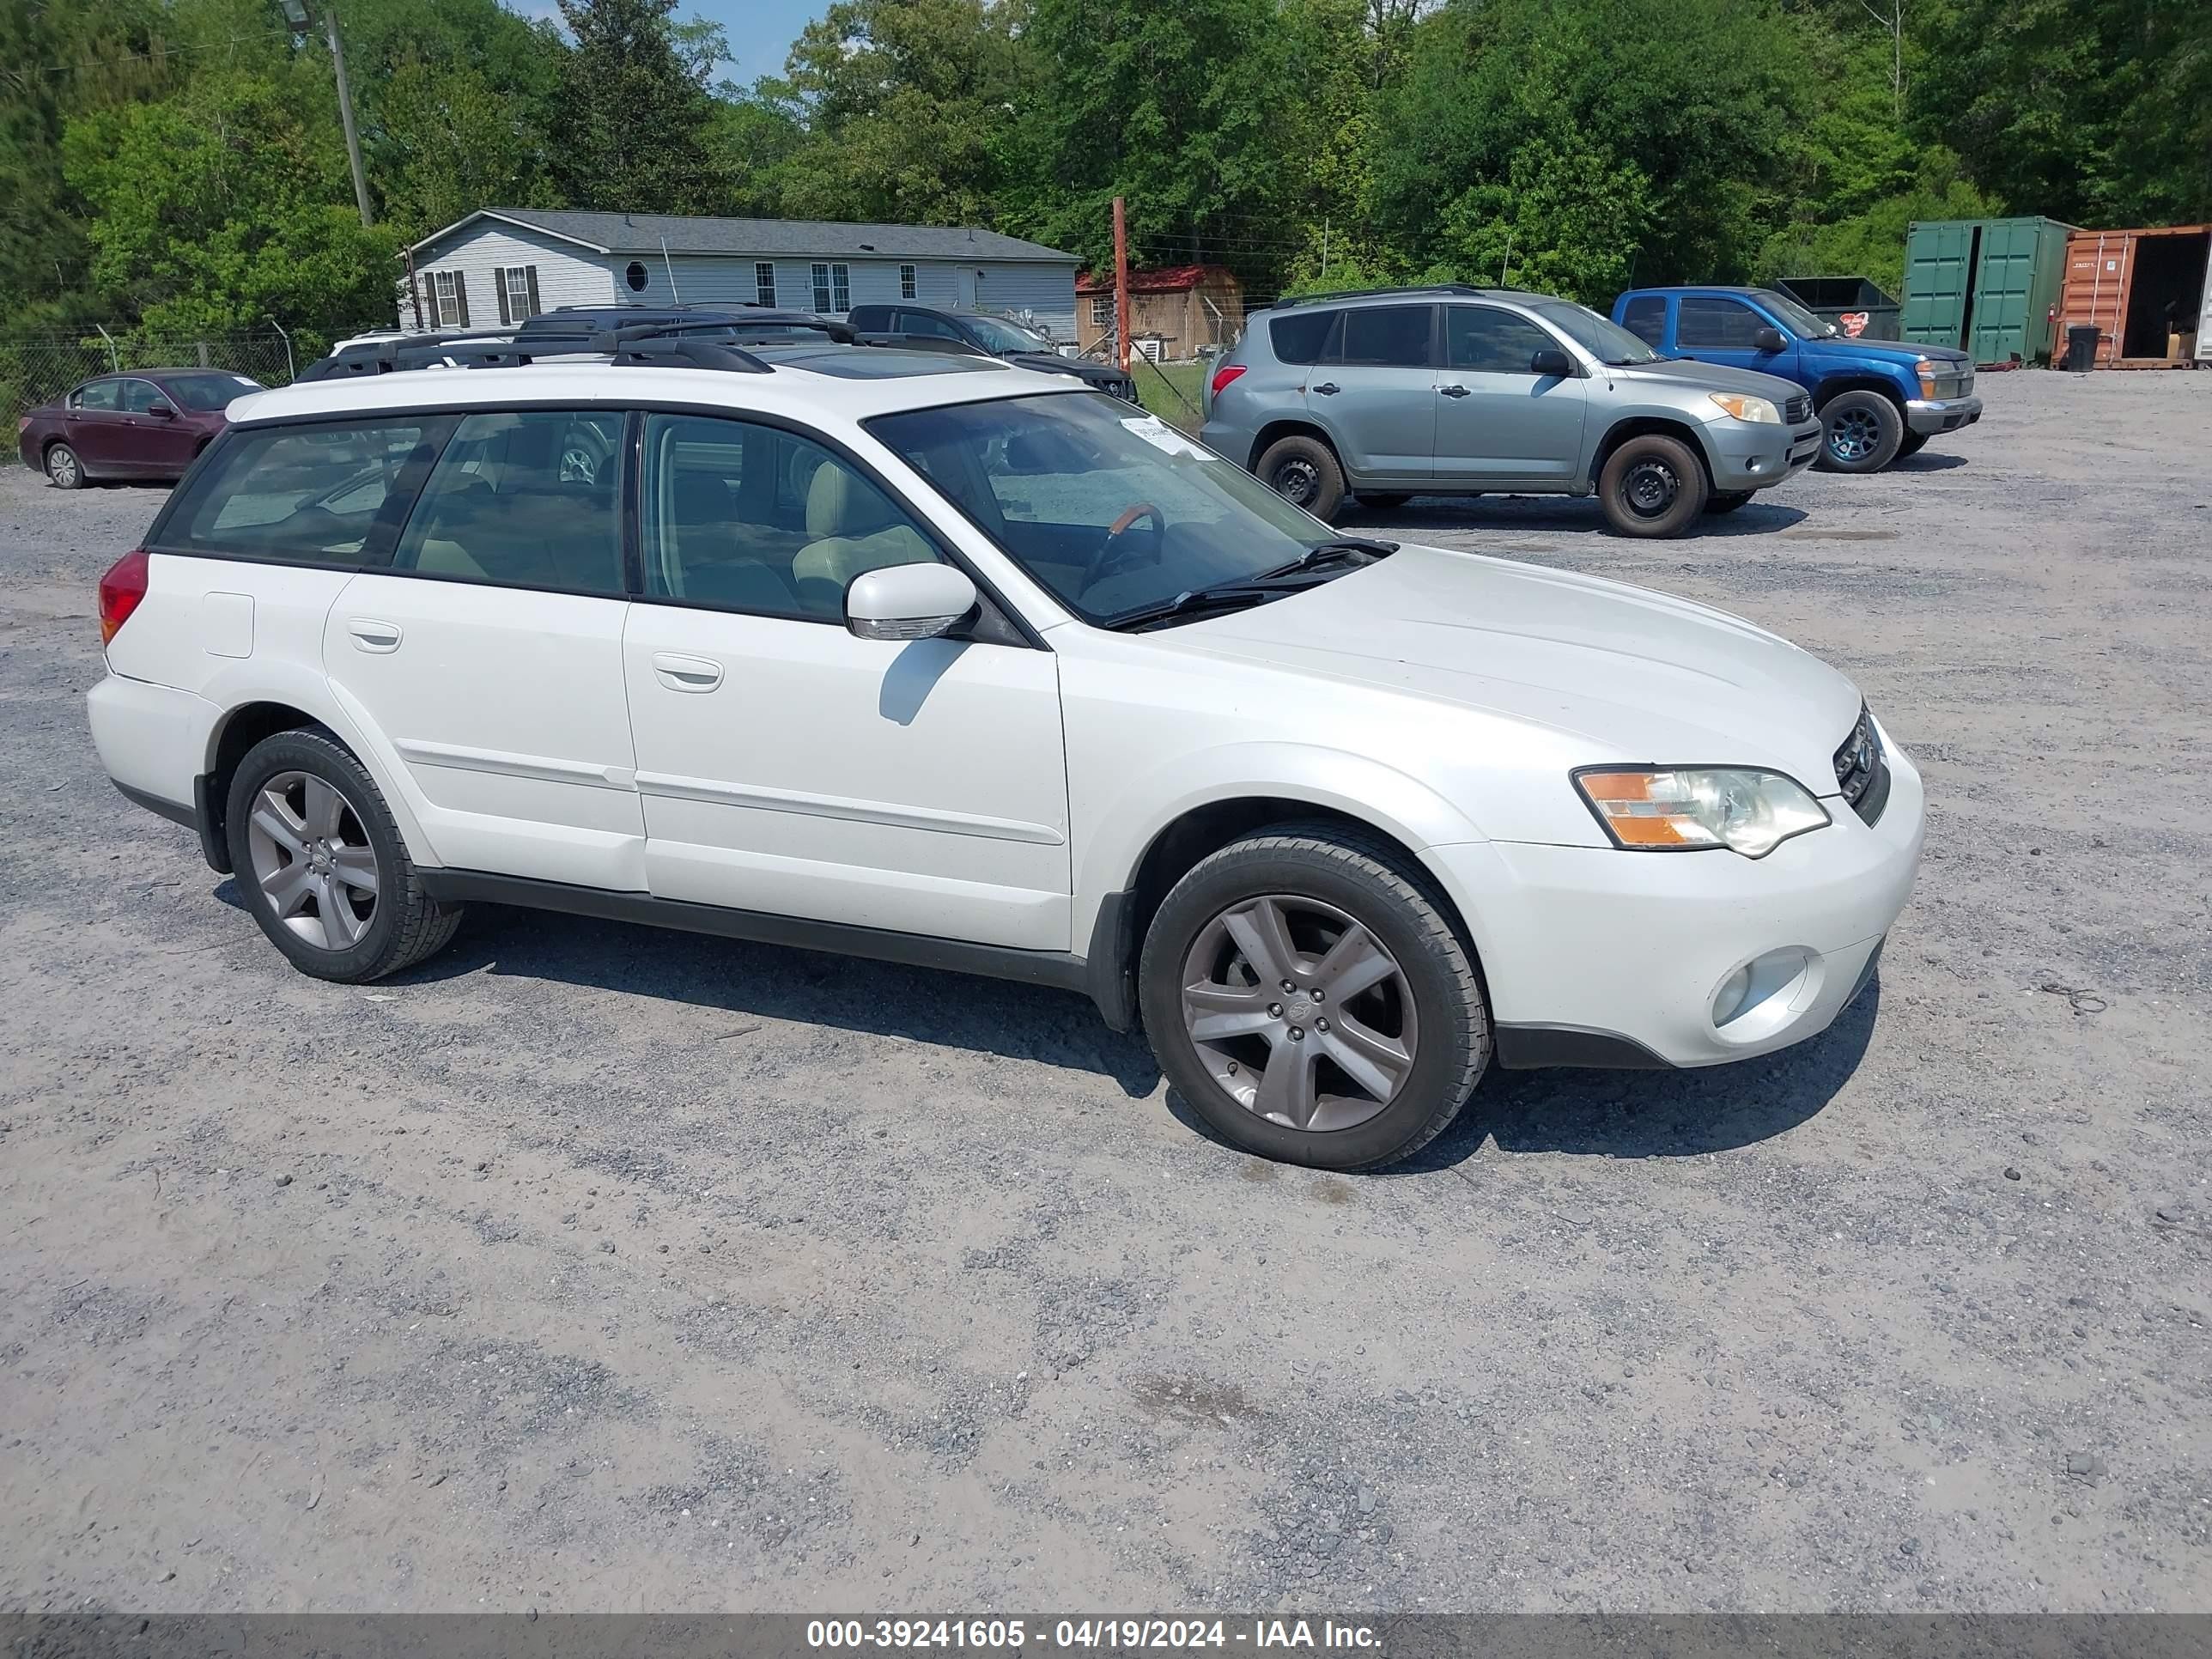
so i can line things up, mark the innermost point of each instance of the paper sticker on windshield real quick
(1162, 436)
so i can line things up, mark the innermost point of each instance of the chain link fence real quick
(36, 369)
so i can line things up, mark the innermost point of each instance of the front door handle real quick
(370, 635)
(1454, 390)
(682, 673)
(1328, 388)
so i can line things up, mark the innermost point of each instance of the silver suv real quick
(1457, 391)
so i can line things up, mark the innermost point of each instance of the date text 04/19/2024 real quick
(1120, 1634)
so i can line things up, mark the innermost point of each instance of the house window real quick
(517, 292)
(450, 296)
(833, 288)
(634, 274)
(1102, 311)
(764, 283)
(907, 283)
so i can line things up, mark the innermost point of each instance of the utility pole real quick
(1120, 285)
(296, 14)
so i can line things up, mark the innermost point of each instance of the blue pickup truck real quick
(1877, 399)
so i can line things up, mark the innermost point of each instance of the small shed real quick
(500, 265)
(1182, 307)
(2148, 293)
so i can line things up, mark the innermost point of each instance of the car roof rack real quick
(1372, 293)
(664, 345)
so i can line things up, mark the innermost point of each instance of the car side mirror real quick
(1771, 340)
(908, 602)
(162, 411)
(1552, 363)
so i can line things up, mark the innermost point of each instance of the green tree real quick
(634, 109)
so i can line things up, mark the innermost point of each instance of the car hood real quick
(1620, 673)
(1902, 352)
(1708, 377)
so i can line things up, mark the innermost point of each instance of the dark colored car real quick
(150, 423)
(740, 323)
(992, 337)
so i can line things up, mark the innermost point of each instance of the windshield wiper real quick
(1323, 552)
(1255, 589)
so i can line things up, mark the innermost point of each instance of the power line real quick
(149, 57)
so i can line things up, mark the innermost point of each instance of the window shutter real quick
(530, 276)
(499, 284)
(461, 294)
(426, 304)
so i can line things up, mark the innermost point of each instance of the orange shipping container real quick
(2147, 292)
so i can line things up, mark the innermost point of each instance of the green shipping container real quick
(1984, 285)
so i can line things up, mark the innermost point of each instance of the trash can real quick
(2081, 348)
(1859, 310)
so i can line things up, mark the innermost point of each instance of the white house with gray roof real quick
(501, 265)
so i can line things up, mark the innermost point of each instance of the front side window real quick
(139, 397)
(764, 283)
(751, 518)
(1386, 336)
(97, 395)
(1111, 509)
(524, 499)
(1724, 324)
(1488, 340)
(311, 494)
(909, 284)
(1645, 317)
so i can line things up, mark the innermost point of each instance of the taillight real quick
(120, 590)
(1224, 374)
(22, 424)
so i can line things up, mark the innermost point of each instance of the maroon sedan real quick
(147, 424)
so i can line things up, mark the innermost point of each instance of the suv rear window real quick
(1300, 337)
(310, 494)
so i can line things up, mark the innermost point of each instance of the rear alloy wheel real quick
(63, 467)
(325, 871)
(1861, 432)
(1726, 501)
(1652, 486)
(1312, 1002)
(1305, 473)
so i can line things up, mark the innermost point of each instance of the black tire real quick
(1860, 432)
(1652, 486)
(1368, 881)
(1912, 444)
(1726, 501)
(405, 924)
(65, 468)
(1385, 501)
(1304, 471)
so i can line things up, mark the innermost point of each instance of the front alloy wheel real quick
(1299, 1013)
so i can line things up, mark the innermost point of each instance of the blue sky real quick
(761, 30)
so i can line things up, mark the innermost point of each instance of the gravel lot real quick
(592, 1267)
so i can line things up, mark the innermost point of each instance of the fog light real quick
(1763, 995)
(1728, 1001)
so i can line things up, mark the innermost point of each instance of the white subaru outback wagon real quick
(932, 659)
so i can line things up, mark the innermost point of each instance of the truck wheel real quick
(1913, 443)
(1304, 471)
(1861, 432)
(1726, 501)
(1311, 1000)
(1652, 486)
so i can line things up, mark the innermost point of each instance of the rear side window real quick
(1387, 337)
(309, 494)
(1300, 337)
(99, 394)
(1727, 325)
(1645, 317)
(524, 499)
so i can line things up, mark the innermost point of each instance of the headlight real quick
(1682, 809)
(1757, 410)
(1927, 378)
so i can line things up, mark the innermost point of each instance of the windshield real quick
(207, 392)
(1112, 509)
(1000, 334)
(1794, 317)
(1603, 340)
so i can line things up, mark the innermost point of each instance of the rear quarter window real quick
(321, 494)
(1301, 337)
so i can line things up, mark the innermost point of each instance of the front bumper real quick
(1595, 955)
(1932, 414)
(1745, 456)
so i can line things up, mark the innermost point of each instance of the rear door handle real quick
(682, 673)
(1328, 388)
(370, 635)
(1454, 390)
